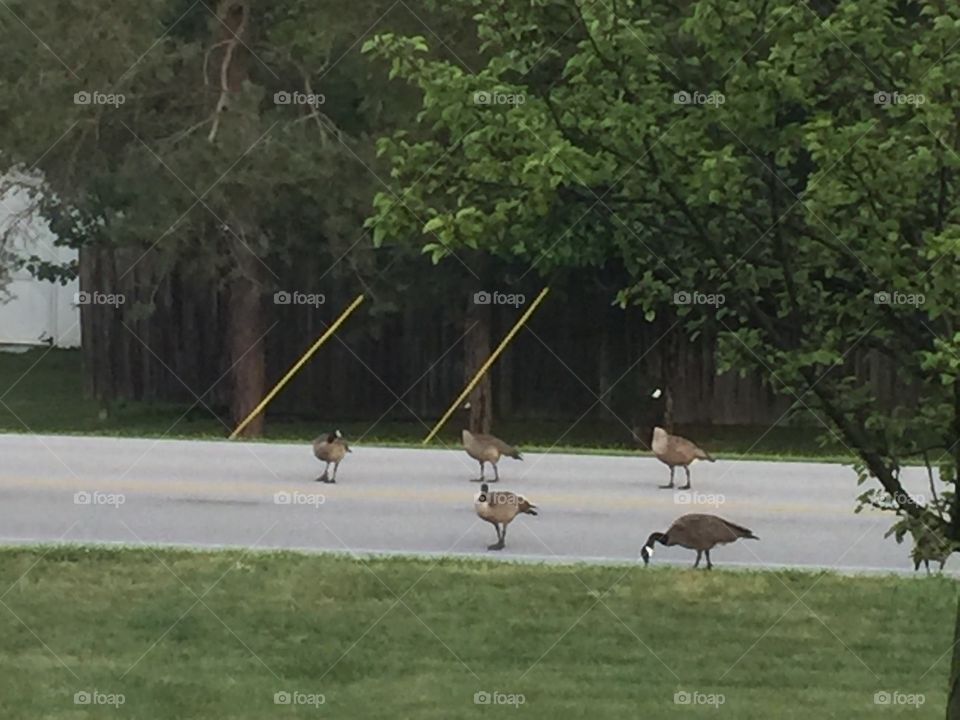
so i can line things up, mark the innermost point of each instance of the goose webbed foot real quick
(496, 546)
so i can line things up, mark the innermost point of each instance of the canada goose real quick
(499, 509)
(487, 449)
(330, 449)
(927, 548)
(928, 545)
(675, 451)
(698, 532)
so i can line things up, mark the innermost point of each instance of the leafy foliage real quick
(800, 163)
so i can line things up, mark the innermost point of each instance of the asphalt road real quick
(592, 508)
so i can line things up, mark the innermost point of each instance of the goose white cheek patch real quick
(649, 552)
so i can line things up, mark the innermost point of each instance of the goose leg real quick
(496, 473)
(709, 564)
(499, 544)
(480, 479)
(697, 562)
(336, 466)
(687, 470)
(323, 478)
(664, 487)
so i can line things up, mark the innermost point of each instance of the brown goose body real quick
(499, 509)
(330, 449)
(487, 449)
(675, 451)
(700, 532)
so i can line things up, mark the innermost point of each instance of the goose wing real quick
(701, 531)
(686, 450)
(502, 447)
(501, 506)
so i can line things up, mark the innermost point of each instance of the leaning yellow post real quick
(299, 364)
(486, 366)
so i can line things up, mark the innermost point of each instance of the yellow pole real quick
(486, 366)
(300, 363)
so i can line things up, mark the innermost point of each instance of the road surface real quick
(420, 501)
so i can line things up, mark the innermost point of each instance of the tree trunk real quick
(245, 312)
(672, 369)
(505, 368)
(247, 356)
(953, 690)
(668, 408)
(477, 345)
(90, 334)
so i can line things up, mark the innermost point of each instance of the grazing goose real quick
(330, 449)
(928, 545)
(698, 532)
(675, 451)
(926, 549)
(487, 449)
(499, 509)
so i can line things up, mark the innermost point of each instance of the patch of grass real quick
(389, 638)
(47, 397)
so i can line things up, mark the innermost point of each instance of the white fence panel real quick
(37, 311)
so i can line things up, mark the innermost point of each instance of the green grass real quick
(47, 397)
(127, 621)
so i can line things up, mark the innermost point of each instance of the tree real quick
(783, 175)
(196, 152)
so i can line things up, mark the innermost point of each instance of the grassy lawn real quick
(47, 398)
(580, 641)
